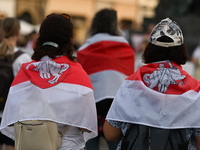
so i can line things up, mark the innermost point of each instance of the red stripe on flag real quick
(181, 86)
(107, 55)
(20, 77)
(74, 75)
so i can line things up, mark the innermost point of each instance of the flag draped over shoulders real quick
(57, 89)
(160, 95)
(108, 60)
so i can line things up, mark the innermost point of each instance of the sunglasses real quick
(63, 15)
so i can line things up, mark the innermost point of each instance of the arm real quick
(197, 142)
(196, 132)
(111, 133)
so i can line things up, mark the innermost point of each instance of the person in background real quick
(32, 37)
(10, 29)
(159, 97)
(196, 60)
(108, 59)
(142, 46)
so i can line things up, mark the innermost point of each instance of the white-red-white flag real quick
(160, 95)
(108, 60)
(58, 90)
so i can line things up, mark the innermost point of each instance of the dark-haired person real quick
(108, 59)
(53, 87)
(158, 97)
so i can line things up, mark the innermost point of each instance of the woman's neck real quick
(12, 40)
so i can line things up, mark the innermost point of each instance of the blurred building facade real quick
(7, 8)
(82, 12)
(131, 12)
(32, 11)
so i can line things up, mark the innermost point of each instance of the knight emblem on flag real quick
(48, 72)
(163, 77)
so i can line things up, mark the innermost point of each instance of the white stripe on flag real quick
(106, 84)
(102, 37)
(136, 103)
(64, 103)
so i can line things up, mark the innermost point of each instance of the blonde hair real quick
(9, 27)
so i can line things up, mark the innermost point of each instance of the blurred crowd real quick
(25, 42)
(131, 46)
(138, 41)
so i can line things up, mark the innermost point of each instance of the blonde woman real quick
(10, 28)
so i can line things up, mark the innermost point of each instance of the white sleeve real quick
(23, 58)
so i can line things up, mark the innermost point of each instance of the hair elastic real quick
(50, 44)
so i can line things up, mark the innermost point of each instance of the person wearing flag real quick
(53, 87)
(108, 59)
(158, 97)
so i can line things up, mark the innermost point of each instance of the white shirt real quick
(23, 58)
(72, 139)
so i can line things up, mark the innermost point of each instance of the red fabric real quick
(178, 79)
(107, 55)
(74, 74)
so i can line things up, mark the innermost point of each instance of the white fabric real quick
(23, 58)
(71, 108)
(189, 67)
(108, 82)
(102, 37)
(136, 103)
(72, 139)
